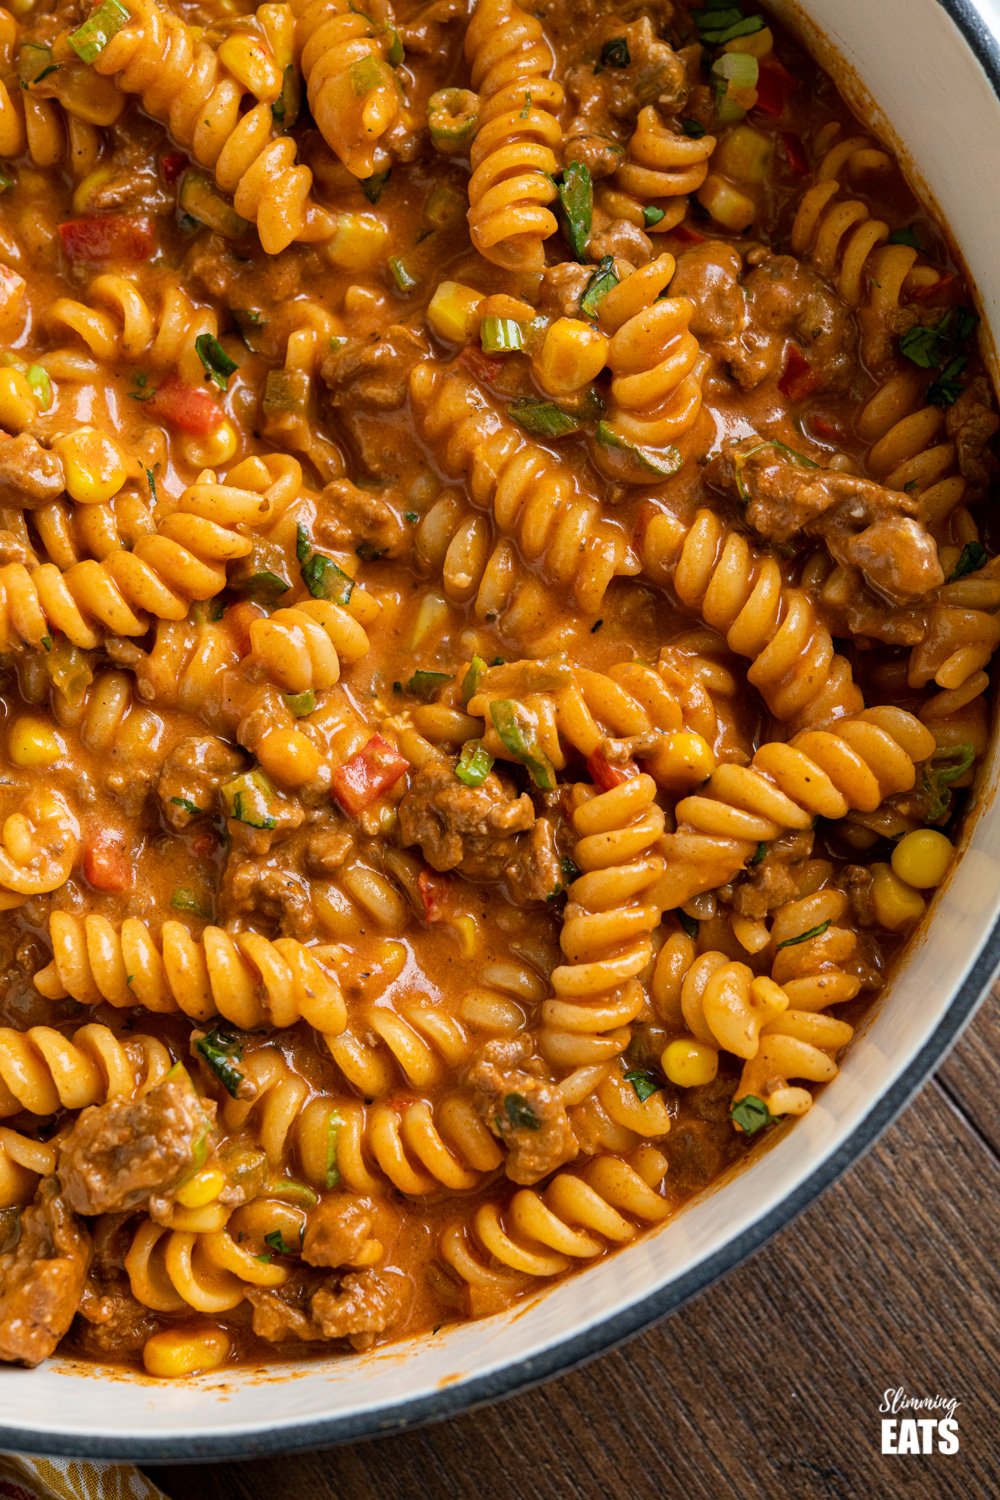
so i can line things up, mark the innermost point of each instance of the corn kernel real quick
(689, 1064)
(758, 44)
(86, 190)
(204, 1187)
(897, 905)
(744, 153)
(289, 756)
(358, 243)
(17, 401)
(249, 60)
(727, 205)
(467, 933)
(172, 1353)
(922, 857)
(572, 355)
(219, 447)
(30, 742)
(686, 759)
(94, 465)
(453, 312)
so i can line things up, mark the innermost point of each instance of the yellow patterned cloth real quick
(23, 1478)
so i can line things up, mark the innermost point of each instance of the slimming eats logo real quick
(918, 1424)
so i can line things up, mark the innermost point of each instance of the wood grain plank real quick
(767, 1384)
(969, 1074)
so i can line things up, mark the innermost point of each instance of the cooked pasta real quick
(497, 606)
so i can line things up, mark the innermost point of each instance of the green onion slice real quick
(90, 39)
(505, 715)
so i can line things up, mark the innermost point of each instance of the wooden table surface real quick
(768, 1383)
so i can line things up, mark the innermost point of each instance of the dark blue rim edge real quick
(577, 1349)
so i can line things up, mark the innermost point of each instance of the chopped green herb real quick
(7, 179)
(368, 552)
(615, 53)
(189, 807)
(424, 684)
(325, 580)
(504, 713)
(751, 1114)
(501, 335)
(972, 558)
(689, 924)
(596, 626)
(644, 1084)
(413, 516)
(576, 195)
(570, 870)
(90, 39)
(693, 128)
(659, 461)
(331, 1175)
(758, 854)
(373, 186)
(543, 418)
(471, 680)
(719, 21)
(151, 479)
(46, 643)
(946, 389)
(931, 346)
(803, 937)
(286, 108)
(652, 215)
(600, 283)
(265, 584)
(520, 1113)
(216, 362)
(301, 703)
(185, 900)
(221, 1051)
(474, 763)
(249, 798)
(944, 768)
(404, 280)
(41, 385)
(291, 1191)
(905, 236)
(526, 106)
(276, 1240)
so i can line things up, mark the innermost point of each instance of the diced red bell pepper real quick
(830, 432)
(687, 235)
(108, 237)
(795, 153)
(185, 408)
(605, 775)
(402, 1102)
(172, 166)
(774, 86)
(435, 893)
(375, 768)
(485, 368)
(798, 379)
(105, 864)
(12, 290)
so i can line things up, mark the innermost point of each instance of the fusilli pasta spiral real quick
(241, 976)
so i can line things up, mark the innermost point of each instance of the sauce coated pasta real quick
(496, 601)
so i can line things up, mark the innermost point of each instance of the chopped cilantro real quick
(520, 1113)
(972, 558)
(751, 1114)
(803, 937)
